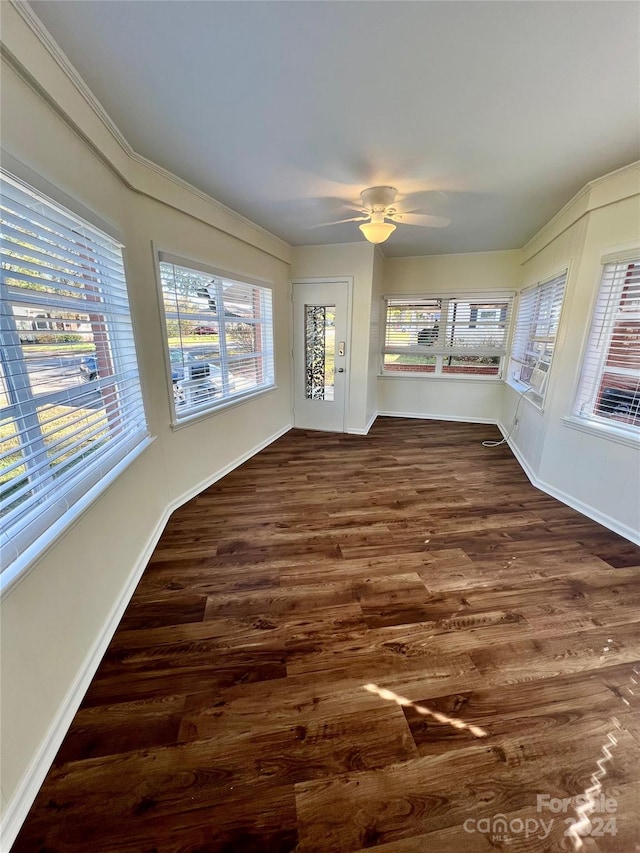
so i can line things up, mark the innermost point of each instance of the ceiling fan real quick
(378, 206)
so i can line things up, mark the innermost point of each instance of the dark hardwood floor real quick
(349, 642)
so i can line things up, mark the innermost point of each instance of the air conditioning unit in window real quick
(535, 376)
(538, 380)
(525, 374)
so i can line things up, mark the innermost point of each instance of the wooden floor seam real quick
(391, 641)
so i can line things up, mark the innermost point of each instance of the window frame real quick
(605, 315)
(536, 396)
(476, 300)
(65, 250)
(224, 402)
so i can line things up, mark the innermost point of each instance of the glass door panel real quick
(320, 351)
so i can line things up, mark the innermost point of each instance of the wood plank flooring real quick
(318, 636)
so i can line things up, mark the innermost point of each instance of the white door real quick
(320, 354)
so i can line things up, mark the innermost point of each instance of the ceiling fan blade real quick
(340, 221)
(423, 219)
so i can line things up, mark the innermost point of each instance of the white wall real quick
(439, 397)
(354, 261)
(57, 620)
(595, 474)
(375, 335)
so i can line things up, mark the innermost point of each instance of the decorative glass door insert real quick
(320, 351)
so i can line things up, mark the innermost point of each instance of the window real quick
(534, 338)
(70, 401)
(219, 334)
(609, 389)
(447, 335)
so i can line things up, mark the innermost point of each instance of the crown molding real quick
(45, 38)
(185, 185)
(630, 167)
(582, 194)
(454, 254)
(60, 58)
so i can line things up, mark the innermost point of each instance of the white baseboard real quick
(27, 790)
(222, 472)
(19, 805)
(364, 431)
(457, 418)
(591, 512)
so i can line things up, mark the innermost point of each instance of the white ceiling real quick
(284, 110)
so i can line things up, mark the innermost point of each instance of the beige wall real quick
(57, 619)
(594, 473)
(453, 273)
(375, 335)
(439, 397)
(193, 451)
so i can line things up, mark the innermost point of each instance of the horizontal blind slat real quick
(609, 387)
(55, 226)
(73, 245)
(62, 280)
(233, 322)
(536, 327)
(446, 334)
(19, 244)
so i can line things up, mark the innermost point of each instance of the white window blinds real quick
(70, 400)
(219, 334)
(537, 320)
(609, 389)
(448, 335)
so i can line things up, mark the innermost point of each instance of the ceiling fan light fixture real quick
(377, 232)
(378, 197)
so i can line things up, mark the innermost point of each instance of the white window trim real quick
(31, 556)
(223, 406)
(80, 491)
(538, 400)
(609, 433)
(166, 255)
(462, 295)
(12, 166)
(622, 434)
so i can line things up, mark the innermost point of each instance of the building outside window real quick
(609, 388)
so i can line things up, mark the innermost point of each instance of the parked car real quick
(620, 402)
(204, 371)
(89, 365)
(197, 369)
(205, 330)
(178, 357)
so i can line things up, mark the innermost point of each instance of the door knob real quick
(341, 370)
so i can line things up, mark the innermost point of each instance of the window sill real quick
(455, 377)
(224, 406)
(31, 556)
(524, 390)
(610, 433)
